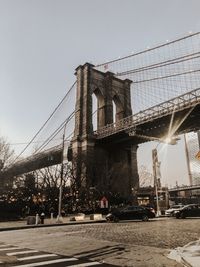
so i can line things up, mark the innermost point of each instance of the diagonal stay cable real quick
(44, 124)
(167, 76)
(51, 137)
(58, 130)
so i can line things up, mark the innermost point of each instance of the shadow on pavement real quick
(101, 251)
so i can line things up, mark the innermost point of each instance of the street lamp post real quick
(171, 140)
(156, 183)
(59, 217)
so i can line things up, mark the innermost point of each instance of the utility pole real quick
(187, 160)
(59, 217)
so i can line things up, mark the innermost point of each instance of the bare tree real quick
(48, 179)
(6, 157)
(146, 178)
(50, 176)
(6, 153)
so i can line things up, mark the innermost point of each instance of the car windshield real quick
(192, 206)
(176, 206)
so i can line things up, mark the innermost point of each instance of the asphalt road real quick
(137, 244)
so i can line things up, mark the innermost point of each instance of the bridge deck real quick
(182, 102)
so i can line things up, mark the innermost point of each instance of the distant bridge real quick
(184, 188)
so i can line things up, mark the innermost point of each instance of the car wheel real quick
(182, 216)
(115, 219)
(145, 218)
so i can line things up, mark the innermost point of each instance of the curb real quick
(49, 225)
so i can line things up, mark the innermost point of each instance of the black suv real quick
(192, 210)
(131, 213)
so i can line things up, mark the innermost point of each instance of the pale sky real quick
(43, 41)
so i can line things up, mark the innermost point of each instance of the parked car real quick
(192, 210)
(149, 208)
(170, 211)
(131, 213)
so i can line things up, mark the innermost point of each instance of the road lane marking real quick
(2, 249)
(84, 264)
(46, 262)
(21, 252)
(37, 257)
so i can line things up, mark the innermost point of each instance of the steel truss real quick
(171, 106)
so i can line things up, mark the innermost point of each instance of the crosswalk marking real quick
(36, 257)
(2, 246)
(33, 258)
(11, 248)
(21, 252)
(46, 262)
(85, 264)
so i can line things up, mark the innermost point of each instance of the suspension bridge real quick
(151, 95)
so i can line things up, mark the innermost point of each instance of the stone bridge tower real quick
(104, 165)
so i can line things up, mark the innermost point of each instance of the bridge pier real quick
(115, 170)
(105, 166)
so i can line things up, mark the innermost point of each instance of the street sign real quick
(103, 203)
(198, 155)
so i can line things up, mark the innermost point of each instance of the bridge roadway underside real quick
(183, 121)
(33, 163)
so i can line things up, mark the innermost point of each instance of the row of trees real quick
(38, 191)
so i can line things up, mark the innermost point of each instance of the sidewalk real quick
(22, 224)
(188, 255)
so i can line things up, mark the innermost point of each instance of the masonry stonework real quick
(107, 167)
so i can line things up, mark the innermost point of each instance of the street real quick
(135, 243)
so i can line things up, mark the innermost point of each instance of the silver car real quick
(170, 211)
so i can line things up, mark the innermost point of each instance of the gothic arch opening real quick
(98, 103)
(94, 112)
(117, 108)
(114, 111)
